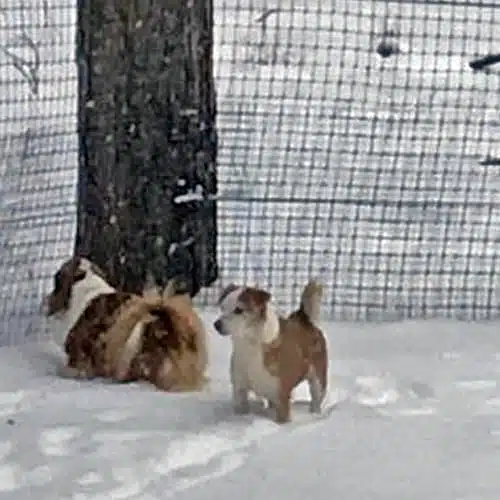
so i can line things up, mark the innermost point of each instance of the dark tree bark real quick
(147, 140)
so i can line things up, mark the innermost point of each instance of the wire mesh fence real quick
(38, 154)
(356, 144)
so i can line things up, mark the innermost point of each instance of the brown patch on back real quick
(86, 342)
(64, 279)
(299, 353)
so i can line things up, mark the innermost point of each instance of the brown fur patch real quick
(64, 279)
(177, 335)
(271, 354)
(85, 343)
(299, 353)
(255, 300)
(139, 309)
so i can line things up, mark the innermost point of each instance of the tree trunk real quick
(148, 144)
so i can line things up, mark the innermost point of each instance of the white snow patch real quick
(10, 477)
(476, 385)
(396, 401)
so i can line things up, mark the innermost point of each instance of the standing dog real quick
(272, 355)
(108, 333)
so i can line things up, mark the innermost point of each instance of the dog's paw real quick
(315, 407)
(283, 419)
(282, 413)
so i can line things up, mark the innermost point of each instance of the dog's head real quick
(74, 273)
(245, 312)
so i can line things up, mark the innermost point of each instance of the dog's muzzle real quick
(219, 327)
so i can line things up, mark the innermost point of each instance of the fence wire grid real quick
(357, 145)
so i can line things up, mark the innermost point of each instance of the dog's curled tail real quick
(310, 301)
(123, 339)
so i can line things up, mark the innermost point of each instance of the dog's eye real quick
(238, 310)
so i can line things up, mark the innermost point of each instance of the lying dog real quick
(272, 355)
(108, 333)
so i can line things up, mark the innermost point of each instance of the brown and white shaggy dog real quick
(104, 332)
(271, 354)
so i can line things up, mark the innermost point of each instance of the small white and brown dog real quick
(272, 355)
(108, 333)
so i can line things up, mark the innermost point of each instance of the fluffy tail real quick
(310, 301)
(124, 337)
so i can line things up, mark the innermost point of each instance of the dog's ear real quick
(255, 299)
(229, 288)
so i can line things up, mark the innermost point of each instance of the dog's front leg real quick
(241, 404)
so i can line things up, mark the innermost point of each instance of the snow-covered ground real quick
(417, 417)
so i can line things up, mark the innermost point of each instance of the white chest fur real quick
(249, 371)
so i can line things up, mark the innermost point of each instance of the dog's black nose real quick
(218, 327)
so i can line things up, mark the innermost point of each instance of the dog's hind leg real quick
(317, 391)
